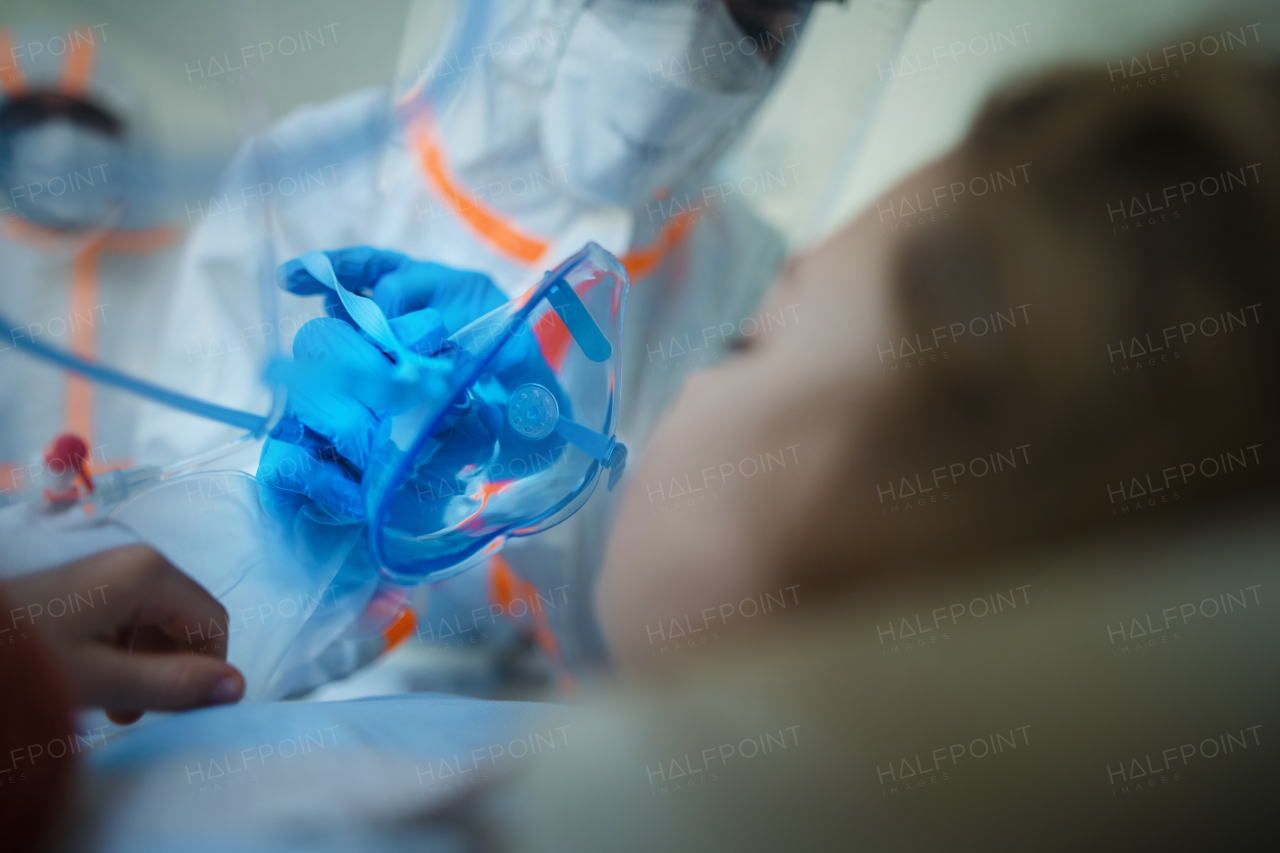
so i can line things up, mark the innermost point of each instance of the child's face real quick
(742, 464)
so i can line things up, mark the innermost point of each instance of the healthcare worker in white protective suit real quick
(86, 262)
(568, 121)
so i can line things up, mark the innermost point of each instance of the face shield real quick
(646, 90)
(768, 99)
(791, 161)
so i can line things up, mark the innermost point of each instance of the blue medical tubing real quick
(292, 431)
(467, 369)
(289, 429)
(256, 424)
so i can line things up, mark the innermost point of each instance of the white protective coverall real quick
(468, 184)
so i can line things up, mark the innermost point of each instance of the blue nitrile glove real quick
(436, 300)
(425, 303)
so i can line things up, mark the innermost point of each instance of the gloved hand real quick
(433, 300)
(425, 303)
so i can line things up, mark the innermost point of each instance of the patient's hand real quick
(119, 622)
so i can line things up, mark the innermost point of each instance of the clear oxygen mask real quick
(520, 435)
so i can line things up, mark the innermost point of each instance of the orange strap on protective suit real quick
(83, 298)
(505, 589)
(505, 237)
(78, 412)
(74, 80)
(11, 79)
(502, 235)
(645, 261)
(77, 72)
(400, 629)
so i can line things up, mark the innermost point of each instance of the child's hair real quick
(1129, 280)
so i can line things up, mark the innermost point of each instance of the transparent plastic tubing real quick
(255, 424)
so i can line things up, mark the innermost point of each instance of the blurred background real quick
(207, 74)
(923, 114)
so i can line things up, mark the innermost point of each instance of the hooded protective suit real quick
(541, 125)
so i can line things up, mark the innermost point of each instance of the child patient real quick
(1087, 302)
(1025, 527)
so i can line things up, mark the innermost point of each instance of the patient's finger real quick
(112, 678)
(142, 589)
(124, 718)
